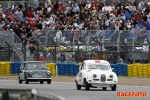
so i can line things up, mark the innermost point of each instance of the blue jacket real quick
(148, 26)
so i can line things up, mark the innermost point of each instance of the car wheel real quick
(20, 81)
(49, 82)
(104, 88)
(26, 81)
(113, 88)
(78, 86)
(87, 86)
(41, 82)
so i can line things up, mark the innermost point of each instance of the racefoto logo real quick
(131, 94)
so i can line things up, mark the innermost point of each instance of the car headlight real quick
(94, 75)
(48, 72)
(110, 76)
(30, 72)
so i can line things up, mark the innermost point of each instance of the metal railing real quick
(40, 47)
(7, 4)
(95, 41)
(97, 44)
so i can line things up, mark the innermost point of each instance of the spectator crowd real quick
(23, 19)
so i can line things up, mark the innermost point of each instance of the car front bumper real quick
(39, 79)
(102, 84)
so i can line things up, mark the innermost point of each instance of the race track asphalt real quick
(68, 90)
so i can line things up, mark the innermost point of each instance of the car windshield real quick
(36, 66)
(98, 66)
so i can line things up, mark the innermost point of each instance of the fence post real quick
(8, 49)
(55, 49)
(126, 52)
(24, 50)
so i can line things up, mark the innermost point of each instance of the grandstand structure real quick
(108, 45)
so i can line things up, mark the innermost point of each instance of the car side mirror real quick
(112, 68)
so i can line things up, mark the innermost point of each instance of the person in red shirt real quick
(59, 6)
(136, 16)
(92, 5)
(30, 14)
(41, 58)
(97, 4)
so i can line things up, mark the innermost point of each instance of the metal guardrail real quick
(25, 94)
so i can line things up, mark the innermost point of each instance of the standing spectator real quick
(32, 51)
(20, 14)
(31, 40)
(120, 60)
(17, 31)
(148, 25)
(92, 5)
(1, 8)
(2, 24)
(28, 51)
(58, 36)
(88, 5)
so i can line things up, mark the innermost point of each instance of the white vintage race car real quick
(96, 74)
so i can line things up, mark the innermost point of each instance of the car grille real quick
(39, 75)
(103, 77)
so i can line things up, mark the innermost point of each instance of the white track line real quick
(54, 95)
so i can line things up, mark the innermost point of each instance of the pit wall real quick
(71, 69)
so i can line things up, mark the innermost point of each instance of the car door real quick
(80, 74)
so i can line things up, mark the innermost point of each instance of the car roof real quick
(97, 61)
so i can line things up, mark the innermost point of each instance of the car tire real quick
(20, 81)
(48, 81)
(104, 88)
(41, 82)
(78, 86)
(26, 81)
(87, 86)
(113, 88)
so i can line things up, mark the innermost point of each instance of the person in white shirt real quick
(49, 9)
(75, 8)
(47, 21)
(58, 36)
(141, 3)
(148, 2)
(52, 19)
(1, 8)
(104, 8)
(13, 6)
(88, 5)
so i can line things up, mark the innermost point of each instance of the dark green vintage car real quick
(34, 71)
